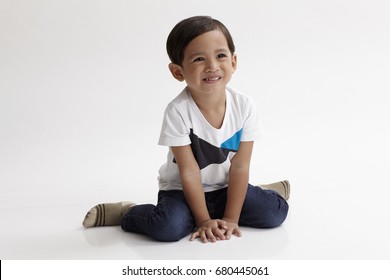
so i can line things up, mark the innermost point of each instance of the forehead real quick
(207, 42)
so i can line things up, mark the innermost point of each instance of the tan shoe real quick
(282, 188)
(107, 214)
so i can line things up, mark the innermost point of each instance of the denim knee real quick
(267, 219)
(169, 220)
(173, 228)
(272, 219)
(263, 209)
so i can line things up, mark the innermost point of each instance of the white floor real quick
(81, 103)
(325, 222)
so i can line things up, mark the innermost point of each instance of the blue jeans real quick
(171, 218)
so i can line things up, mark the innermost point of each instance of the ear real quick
(234, 61)
(177, 71)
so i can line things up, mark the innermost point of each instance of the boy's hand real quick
(210, 230)
(231, 228)
(213, 230)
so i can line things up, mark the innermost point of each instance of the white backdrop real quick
(83, 86)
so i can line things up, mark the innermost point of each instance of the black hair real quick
(186, 30)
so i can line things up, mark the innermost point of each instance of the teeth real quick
(212, 79)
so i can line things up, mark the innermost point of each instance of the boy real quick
(210, 130)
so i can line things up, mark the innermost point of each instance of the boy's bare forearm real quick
(238, 185)
(194, 194)
(238, 182)
(192, 183)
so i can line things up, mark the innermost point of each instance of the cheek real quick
(192, 73)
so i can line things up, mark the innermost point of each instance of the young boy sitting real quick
(210, 130)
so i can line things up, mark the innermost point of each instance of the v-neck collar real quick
(203, 119)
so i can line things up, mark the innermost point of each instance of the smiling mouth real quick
(212, 79)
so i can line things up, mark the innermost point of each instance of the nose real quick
(212, 65)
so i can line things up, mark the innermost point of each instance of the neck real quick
(209, 102)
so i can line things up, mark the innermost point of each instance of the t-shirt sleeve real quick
(174, 131)
(252, 129)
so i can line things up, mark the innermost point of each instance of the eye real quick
(221, 55)
(198, 59)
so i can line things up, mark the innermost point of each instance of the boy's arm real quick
(193, 191)
(191, 181)
(237, 188)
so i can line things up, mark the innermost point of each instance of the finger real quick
(210, 236)
(228, 234)
(203, 237)
(223, 232)
(220, 233)
(237, 232)
(194, 236)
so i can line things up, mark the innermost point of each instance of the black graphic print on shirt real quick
(206, 153)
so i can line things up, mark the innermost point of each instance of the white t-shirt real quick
(184, 124)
